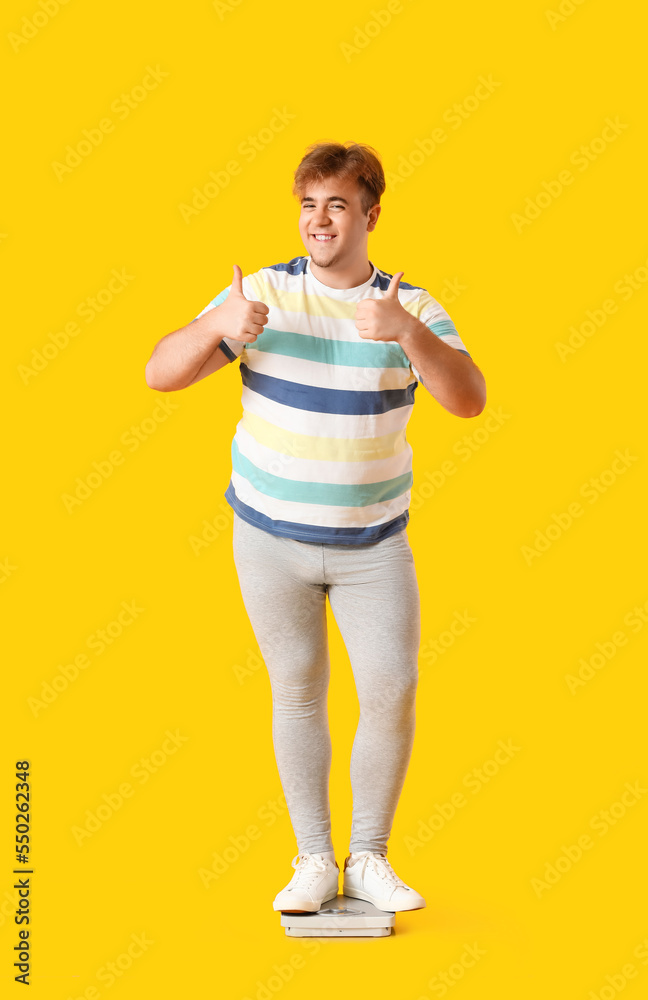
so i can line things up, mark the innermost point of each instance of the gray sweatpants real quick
(374, 598)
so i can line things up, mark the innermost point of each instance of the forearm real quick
(451, 377)
(179, 356)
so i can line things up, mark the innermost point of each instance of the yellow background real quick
(67, 572)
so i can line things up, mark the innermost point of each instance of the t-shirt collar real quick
(350, 294)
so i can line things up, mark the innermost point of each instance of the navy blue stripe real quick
(296, 266)
(320, 400)
(382, 280)
(314, 532)
(227, 351)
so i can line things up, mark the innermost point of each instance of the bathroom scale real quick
(340, 917)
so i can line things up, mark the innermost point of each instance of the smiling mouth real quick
(322, 237)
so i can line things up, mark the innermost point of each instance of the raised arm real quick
(189, 354)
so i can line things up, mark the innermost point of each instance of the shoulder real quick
(415, 298)
(410, 296)
(383, 278)
(274, 276)
(295, 266)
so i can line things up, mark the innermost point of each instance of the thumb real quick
(237, 281)
(392, 291)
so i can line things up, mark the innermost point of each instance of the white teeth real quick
(322, 238)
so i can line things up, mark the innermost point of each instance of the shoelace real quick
(307, 868)
(380, 865)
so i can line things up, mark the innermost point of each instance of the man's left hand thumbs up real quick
(383, 318)
(392, 291)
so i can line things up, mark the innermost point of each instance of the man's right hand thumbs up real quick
(237, 281)
(244, 320)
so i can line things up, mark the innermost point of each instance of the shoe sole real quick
(316, 906)
(368, 898)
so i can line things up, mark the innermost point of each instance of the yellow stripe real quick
(321, 448)
(318, 305)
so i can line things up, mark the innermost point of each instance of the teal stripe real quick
(442, 327)
(333, 494)
(362, 354)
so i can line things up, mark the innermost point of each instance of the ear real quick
(373, 218)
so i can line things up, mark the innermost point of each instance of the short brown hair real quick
(353, 159)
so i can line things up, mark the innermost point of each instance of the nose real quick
(321, 217)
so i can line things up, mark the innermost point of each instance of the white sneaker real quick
(315, 882)
(370, 876)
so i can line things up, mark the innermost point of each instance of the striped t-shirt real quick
(320, 452)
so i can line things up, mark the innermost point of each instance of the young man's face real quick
(332, 207)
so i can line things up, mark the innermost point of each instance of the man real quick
(331, 351)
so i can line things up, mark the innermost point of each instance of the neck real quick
(343, 276)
